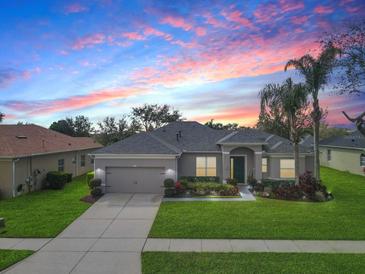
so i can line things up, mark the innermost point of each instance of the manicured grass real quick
(168, 262)
(342, 218)
(9, 257)
(44, 213)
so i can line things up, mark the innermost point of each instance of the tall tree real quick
(82, 126)
(291, 100)
(351, 64)
(326, 131)
(63, 126)
(273, 120)
(2, 115)
(229, 126)
(111, 130)
(316, 72)
(154, 116)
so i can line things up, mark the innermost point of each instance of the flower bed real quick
(308, 189)
(184, 188)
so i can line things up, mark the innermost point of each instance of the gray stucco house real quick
(141, 162)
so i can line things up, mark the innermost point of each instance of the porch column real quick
(258, 165)
(225, 166)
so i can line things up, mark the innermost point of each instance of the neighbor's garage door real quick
(135, 179)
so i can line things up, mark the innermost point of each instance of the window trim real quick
(59, 165)
(329, 155)
(362, 160)
(280, 169)
(205, 166)
(82, 160)
(266, 165)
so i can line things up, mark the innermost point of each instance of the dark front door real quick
(238, 168)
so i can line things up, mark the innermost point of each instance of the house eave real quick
(343, 147)
(135, 156)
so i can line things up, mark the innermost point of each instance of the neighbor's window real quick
(82, 160)
(264, 165)
(61, 165)
(287, 168)
(329, 155)
(206, 166)
(362, 159)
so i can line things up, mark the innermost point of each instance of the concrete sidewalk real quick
(203, 245)
(108, 238)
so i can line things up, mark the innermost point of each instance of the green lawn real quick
(342, 218)
(168, 262)
(9, 257)
(44, 213)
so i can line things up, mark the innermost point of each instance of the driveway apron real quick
(108, 238)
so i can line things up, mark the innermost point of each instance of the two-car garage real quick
(134, 174)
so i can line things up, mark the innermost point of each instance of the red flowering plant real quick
(179, 187)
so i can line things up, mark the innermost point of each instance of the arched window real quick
(362, 159)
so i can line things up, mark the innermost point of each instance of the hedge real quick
(195, 179)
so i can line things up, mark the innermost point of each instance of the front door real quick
(238, 168)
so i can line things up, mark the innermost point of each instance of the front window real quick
(206, 166)
(82, 160)
(329, 155)
(287, 168)
(61, 165)
(264, 165)
(362, 160)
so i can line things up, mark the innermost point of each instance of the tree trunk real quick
(296, 162)
(316, 122)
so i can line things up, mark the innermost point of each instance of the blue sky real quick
(208, 59)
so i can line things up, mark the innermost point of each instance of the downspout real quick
(13, 181)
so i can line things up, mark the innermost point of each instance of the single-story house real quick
(141, 162)
(346, 153)
(28, 152)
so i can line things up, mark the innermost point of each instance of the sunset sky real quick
(208, 59)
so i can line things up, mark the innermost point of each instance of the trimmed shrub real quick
(274, 184)
(94, 183)
(69, 177)
(232, 181)
(202, 188)
(56, 179)
(89, 176)
(169, 182)
(96, 192)
(195, 179)
(169, 192)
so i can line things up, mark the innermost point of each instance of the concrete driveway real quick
(108, 238)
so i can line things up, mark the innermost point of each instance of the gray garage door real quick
(135, 179)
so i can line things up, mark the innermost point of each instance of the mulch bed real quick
(89, 199)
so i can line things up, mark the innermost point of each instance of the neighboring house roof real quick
(27, 140)
(355, 141)
(190, 136)
(307, 140)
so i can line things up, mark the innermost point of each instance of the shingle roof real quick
(195, 137)
(142, 143)
(354, 140)
(26, 140)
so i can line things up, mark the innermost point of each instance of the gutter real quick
(13, 181)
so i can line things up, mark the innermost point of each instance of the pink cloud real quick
(245, 115)
(200, 31)
(133, 36)
(299, 20)
(74, 102)
(88, 41)
(269, 12)
(211, 20)
(237, 17)
(290, 5)
(10, 75)
(149, 31)
(323, 9)
(177, 22)
(75, 8)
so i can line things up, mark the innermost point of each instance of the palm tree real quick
(316, 72)
(291, 100)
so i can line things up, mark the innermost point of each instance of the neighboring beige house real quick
(346, 153)
(28, 152)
